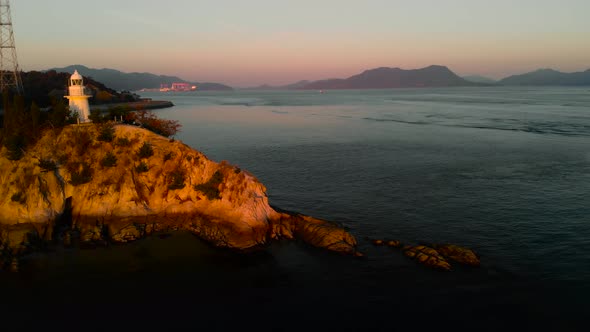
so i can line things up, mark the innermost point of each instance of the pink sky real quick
(280, 42)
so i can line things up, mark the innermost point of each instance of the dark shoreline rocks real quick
(17, 241)
(438, 256)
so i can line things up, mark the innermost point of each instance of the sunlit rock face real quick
(74, 183)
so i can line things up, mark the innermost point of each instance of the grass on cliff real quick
(211, 187)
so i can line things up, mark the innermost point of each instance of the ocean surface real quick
(504, 171)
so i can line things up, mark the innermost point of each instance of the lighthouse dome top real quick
(76, 79)
(76, 75)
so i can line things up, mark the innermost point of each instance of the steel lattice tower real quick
(9, 72)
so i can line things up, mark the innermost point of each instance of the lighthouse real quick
(78, 97)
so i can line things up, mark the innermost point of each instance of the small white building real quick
(78, 97)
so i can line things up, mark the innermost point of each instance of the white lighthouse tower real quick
(78, 97)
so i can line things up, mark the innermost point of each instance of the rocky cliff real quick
(91, 184)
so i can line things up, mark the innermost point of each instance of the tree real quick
(59, 114)
(35, 117)
(107, 132)
(117, 112)
(96, 116)
(8, 123)
(14, 133)
(150, 121)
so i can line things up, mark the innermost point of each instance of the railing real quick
(83, 91)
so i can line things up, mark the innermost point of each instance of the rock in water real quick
(427, 256)
(458, 254)
(378, 242)
(324, 234)
(157, 185)
(393, 243)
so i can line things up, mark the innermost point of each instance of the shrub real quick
(80, 173)
(142, 167)
(59, 114)
(209, 191)
(83, 139)
(19, 197)
(176, 180)
(15, 145)
(211, 187)
(107, 133)
(62, 159)
(122, 141)
(146, 150)
(96, 116)
(237, 170)
(109, 160)
(72, 117)
(168, 156)
(119, 111)
(151, 122)
(217, 178)
(47, 165)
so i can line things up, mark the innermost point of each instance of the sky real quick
(248, 43)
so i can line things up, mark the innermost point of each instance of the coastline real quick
(144, 104)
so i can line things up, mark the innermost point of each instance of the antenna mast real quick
(9, 72)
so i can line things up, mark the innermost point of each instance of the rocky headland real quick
(96, 184)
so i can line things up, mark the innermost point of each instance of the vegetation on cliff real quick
(22, 124)
(211, 187)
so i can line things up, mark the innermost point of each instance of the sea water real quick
(502, 170)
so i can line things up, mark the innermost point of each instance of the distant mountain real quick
(548, 77)
(479, 79)
(295, 85)
(385, 78)
(134, 81)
